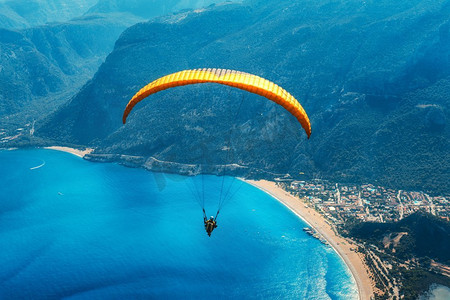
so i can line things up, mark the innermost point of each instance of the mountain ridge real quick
(356, 80)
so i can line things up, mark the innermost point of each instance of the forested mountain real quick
(45, 62)
(374, 76)
(414, 248)
(422, 235)
(41, 65)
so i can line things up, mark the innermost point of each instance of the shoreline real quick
(354, 262)
(77, 152)
(340, 245)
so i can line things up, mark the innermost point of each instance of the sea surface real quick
(74, 229)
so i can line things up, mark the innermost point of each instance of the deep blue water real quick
(81, 230)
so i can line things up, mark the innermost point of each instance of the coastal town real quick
(340, 204)
(366, 202)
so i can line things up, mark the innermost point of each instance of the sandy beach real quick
(342, 246)
(73, 151)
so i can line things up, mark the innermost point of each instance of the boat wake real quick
(37, 167)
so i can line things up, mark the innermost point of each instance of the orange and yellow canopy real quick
(240, 80)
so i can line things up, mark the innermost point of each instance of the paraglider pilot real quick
(210, 225)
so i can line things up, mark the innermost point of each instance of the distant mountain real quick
(374, 77)
(20, 14)
(42, 64)
(148, 8)
(30, 13)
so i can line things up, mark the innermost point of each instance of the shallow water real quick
(81, 230)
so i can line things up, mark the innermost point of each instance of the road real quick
(401, 204)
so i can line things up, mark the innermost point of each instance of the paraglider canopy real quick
(241, 80)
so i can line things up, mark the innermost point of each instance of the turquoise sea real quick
(74, 229)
